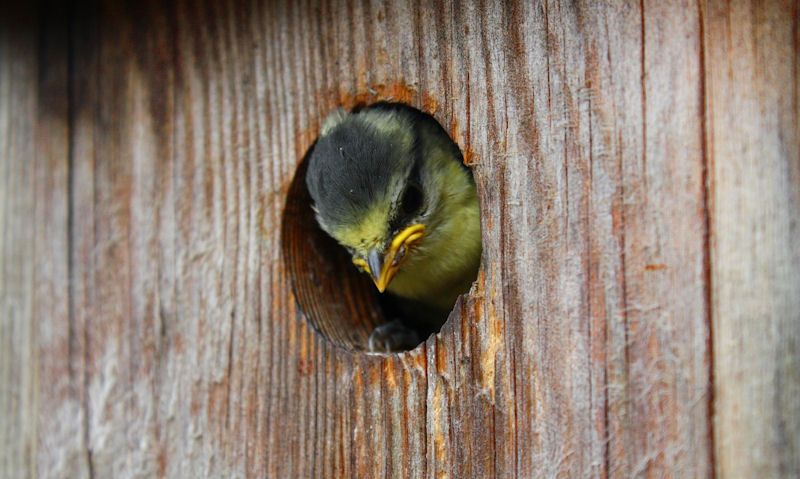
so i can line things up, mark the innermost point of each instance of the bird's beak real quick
(383, 267)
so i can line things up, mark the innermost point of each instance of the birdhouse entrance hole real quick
(342, 304)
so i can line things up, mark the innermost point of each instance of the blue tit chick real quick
(390, 186)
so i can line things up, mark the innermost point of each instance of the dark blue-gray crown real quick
(353, 166)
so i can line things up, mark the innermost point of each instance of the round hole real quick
(341, 303)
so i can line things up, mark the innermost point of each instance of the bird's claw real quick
(392, 336)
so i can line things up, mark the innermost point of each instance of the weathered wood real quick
(41, 413)
(638, 172)
(754, 166)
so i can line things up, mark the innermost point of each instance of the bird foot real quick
(391, 337)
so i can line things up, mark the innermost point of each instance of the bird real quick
(390, 186)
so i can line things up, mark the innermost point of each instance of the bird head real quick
(375, 190)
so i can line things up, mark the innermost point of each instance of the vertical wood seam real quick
(707, 186)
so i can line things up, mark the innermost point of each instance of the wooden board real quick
(623, 318)
(754, 165)
(42, 402)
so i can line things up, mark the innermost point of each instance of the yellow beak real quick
(383, 267)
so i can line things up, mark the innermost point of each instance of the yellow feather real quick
(446, 262)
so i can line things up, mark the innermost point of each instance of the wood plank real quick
(42, 426)
(250, 89)
(754, 150)
(18, 70)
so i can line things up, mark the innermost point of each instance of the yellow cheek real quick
(361, 264)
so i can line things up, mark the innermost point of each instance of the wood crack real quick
(707, 188)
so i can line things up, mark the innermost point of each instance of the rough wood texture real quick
(638, 168)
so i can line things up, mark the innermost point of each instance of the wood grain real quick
(754, 153)
(635, 314)
(41, 409)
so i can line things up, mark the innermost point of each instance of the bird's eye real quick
(412, 200)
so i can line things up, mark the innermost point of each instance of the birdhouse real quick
(169, 307)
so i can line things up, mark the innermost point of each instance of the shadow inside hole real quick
(342, 304)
